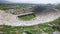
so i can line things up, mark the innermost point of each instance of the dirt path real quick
(45, 16)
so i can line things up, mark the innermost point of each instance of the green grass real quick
(10, 7)
(48, 27)
(7, 7)
(27, 17)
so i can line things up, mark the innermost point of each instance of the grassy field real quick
(27, 17)
(48, 27)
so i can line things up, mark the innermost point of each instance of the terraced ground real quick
(41, 17)
(43, 20)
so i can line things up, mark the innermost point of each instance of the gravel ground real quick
(41, 17)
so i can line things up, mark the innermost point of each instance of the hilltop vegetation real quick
(6, 7)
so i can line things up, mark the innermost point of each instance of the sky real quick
(32, 1)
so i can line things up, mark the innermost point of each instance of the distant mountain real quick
(12, 3)
(8, 2)
(4, 1)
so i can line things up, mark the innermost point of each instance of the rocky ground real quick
(45, 16)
